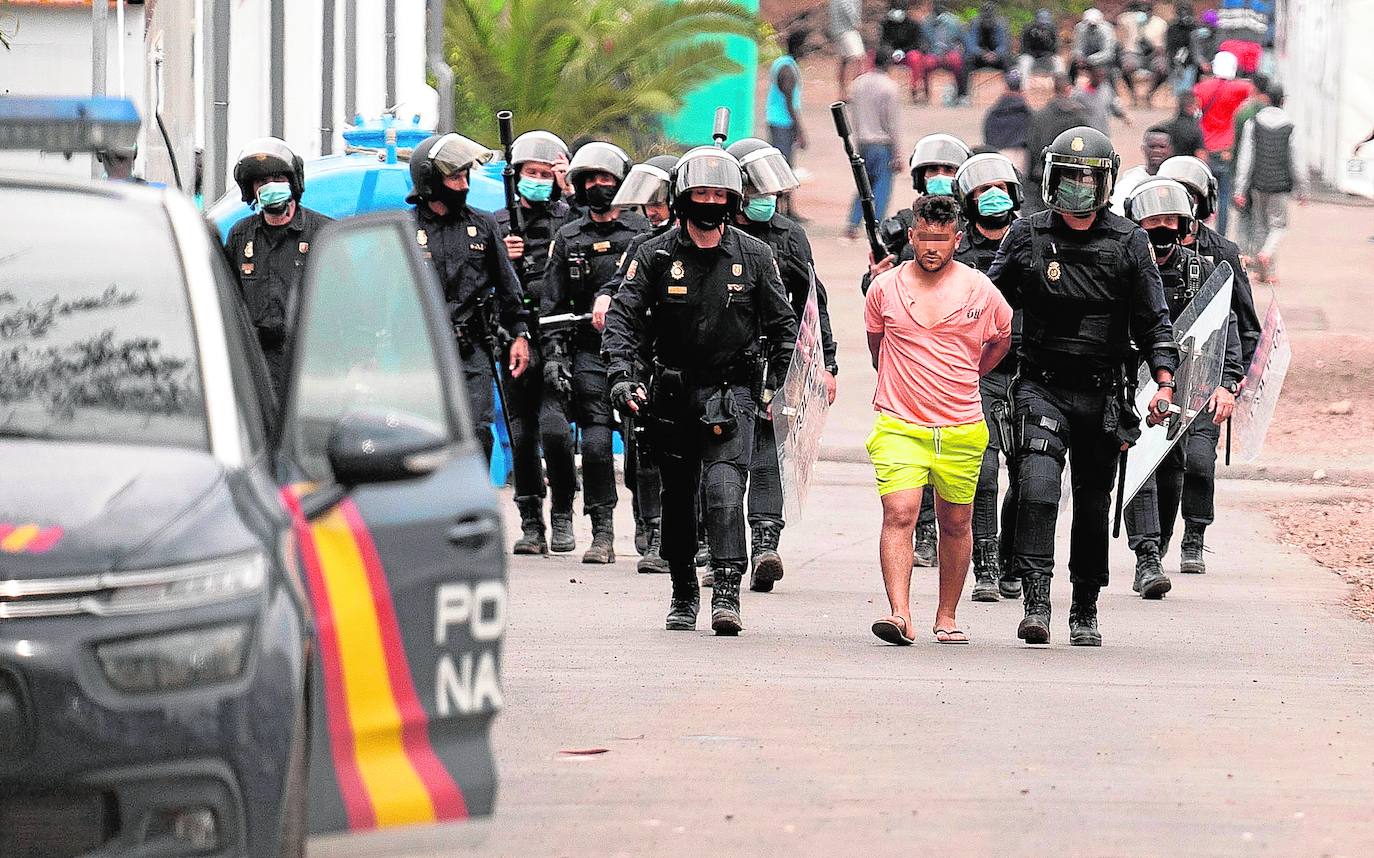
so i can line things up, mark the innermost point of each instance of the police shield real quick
(1201, 333)
(799, 409)
(1264, 381)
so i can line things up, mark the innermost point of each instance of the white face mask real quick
(897, 15)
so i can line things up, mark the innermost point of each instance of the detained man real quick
(935, 327)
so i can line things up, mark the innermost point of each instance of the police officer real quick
(646, 190)
(1164, 209)
(699, 298)
(585, 254)
(1086, 282)
(1196, 176)
(268, 249)
(767, 174)
(989, 193)
(481, 291)
(534, 157)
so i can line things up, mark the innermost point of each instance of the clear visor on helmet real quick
(768, 172)
(269, 148)
(981, 170)
(454, 153)
(1190, 171)
(645, 186)
(540, 146)
(708, 167)
(939, 149)
(599, 157)
(1160, 197)
(1076, 188)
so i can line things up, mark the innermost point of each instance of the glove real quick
(557, 377)
(628, 396)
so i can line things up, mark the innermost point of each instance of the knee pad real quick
(723, 486)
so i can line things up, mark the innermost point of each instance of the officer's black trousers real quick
(524, 396)
(994, 389)
(1055, 422)
(590, 407)
(765, 479)
(1186, 477)
(477, 373)
(689, 459)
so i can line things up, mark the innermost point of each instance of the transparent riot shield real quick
(1263, 383)
(799, 410)
(1201, 333)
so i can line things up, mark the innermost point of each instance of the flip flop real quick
(950, 636)
(893, 630)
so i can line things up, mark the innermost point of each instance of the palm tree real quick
(604, 67)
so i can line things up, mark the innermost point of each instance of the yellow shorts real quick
(907, 456)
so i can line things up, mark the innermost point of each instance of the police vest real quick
(1077, 302)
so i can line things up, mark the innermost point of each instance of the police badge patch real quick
(421, 238)
(1052, 271)
(1077, 144)
(303, 247)
(630, 272)
(601, 247)
(677, 271)
(737, 270)
(472, 232)
(248, 250)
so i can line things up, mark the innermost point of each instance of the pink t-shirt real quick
(929, 376)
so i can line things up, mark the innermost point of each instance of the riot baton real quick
(1228, 442)
(839, 111)
(494, 347)
(562, 321)
(1120, 493)
(504, 122)
(720, 131)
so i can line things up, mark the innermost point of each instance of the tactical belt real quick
(1085, 381)
(740, 374)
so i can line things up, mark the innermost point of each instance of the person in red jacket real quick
(1219, 97)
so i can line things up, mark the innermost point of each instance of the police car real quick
(223, 629)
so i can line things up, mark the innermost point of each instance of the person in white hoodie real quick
(1269, 170)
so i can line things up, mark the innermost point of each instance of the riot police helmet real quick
(541, 146)
(766, 170)
(932, 150)
(1080, 170)
(440, 156)
(647, 183)
(708, 167)
(1158, 196)
(268, 156)
(1194, 174)
(980, 171)
(598, 157)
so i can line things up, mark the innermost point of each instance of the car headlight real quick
(179, 586)
(168, 662)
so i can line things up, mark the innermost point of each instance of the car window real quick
(363, 341)
(96, 340)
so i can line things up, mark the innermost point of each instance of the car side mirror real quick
(377, 446)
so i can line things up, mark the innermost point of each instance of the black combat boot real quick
(531, 539)
(1083, 616)
(926, 551)
(641, 535)
(685, 602)
(1035, 628)
(1190, 549)
(766, 567)
(652, 561)
(602, 549)
(703, 559)
(725, 617)
(561, 539)
(986, 570)
(1009, 587)
(1150, 580)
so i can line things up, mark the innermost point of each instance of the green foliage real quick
(604, 67)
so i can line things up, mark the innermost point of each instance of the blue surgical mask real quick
(994, 201)
(761, 209)
(940, 186)
(536, 190)
(274, 195)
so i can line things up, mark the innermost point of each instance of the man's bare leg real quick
(900, 511)
(956, 552)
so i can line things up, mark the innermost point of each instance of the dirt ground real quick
(1327, 371)
(1336, 534)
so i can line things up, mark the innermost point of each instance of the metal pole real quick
(438, 65)
(218, 17)
(390, 54)
(277, 85)
(350, 60)
(327, 24)
(99, 48)
(119, 44)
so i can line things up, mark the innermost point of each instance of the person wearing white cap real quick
(1219, 98)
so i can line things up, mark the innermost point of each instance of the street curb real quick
(1263, 473)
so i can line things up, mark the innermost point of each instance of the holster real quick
(1119, 419)
(719, 416)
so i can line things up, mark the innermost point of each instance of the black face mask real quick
(599, 197)
(1163, 239)
(454, 201)
(996, 221)
(704, 215)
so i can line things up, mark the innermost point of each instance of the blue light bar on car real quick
(68, 124)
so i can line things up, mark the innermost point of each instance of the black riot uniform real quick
(1187, 475)
(700, 313)
(481, 292)
(584, 257)
(991, 555)
(541, 219)
(1084, 296)
(768, 174)
(269, 261)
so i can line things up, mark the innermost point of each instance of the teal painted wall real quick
(692, 125)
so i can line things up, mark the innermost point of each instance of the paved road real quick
(1233, 718)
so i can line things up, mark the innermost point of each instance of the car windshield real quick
(96, 342)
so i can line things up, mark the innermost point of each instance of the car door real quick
(406, 578)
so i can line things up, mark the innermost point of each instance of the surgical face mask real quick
(761, 209)
(599, 197)
(994, 201)
(704, 215)
(454, 201)
(940, 186)
(897, 15)
(1163, 239)
(536, 190)
(274, 196)
(1074, 196)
